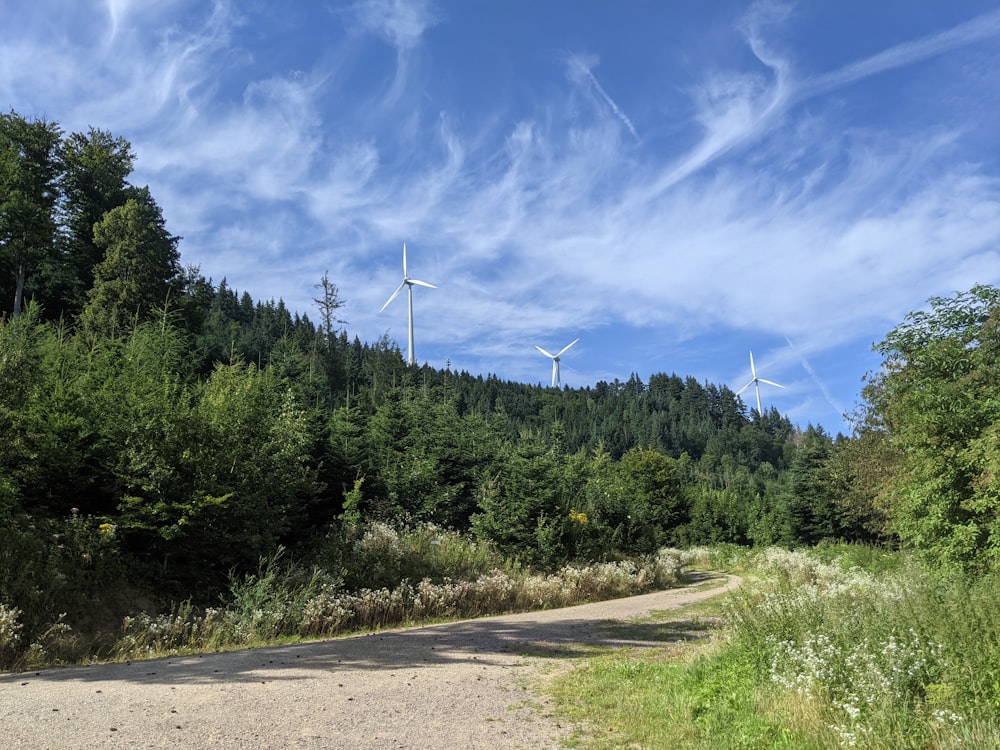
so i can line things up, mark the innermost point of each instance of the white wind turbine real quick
(556, 380)
(411, 357)
(755, 382)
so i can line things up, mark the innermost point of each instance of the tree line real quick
(183, 429)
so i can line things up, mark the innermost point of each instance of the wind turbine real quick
(755, 382)
(556, 380)
(411, 357)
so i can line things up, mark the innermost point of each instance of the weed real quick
(828, 648)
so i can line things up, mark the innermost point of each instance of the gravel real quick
(467, 684)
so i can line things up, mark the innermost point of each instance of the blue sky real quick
(675, 183)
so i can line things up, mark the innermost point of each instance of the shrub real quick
(282, 600)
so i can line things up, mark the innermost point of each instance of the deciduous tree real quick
(937, 397)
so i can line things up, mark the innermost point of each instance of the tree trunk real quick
(19, 291)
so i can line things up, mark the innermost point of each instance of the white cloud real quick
(776, 212)
(401, 22)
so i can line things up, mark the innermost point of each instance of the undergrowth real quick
(421, 575)
(815, 651)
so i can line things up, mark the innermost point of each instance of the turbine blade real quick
(771, 382)
(746, 386)
(550, 356)
(394, 295)
(555, 371)
(566, 348)
(404, 260)
(420, 283)
(753, 370)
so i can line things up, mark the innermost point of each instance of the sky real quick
(676, 184)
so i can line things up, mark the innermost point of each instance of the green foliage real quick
(812, 511)
(140, 263)
(271, 602)
(632, 506)
(19, 351)
(198, 476)
(47, 418)
(56, 575)
(861, 470)
(525, 507)
(891, 657)
(375, 555)
(210, 429)
(228, 483)
(958, 612)
(815, 651)
(658, 507)
(96, 166)
(730, 503)
(29, 173)
(415, 460)
(352, 504)
(937, 399)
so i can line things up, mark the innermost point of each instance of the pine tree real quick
(140, 270)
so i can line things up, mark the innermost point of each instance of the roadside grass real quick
(423, 575)
(828, 648)
(840, 646)
(695, 697)
(689, 691)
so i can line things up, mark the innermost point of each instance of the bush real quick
(282, 600)
(377, 555)
(59, 576)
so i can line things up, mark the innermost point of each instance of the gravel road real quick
(464, 684)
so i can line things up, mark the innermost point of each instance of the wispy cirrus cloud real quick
(776, 212)
(402, 24)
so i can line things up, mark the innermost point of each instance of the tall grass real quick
(420, 575)
(830, 648)
(892, 660)
(377, 555)
(279, 604)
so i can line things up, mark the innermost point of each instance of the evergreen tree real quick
(29, 176)
(96, 169)
(140, 270)
(861, 470)
(524, 508)
(812, 509)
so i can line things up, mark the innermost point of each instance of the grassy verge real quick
(816, 652)
(692, 692)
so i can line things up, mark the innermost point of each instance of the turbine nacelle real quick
(556, 379)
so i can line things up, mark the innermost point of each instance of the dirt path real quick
(457, 685)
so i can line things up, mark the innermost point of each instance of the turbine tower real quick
(411, 357)
(755, 382)
(556, 380)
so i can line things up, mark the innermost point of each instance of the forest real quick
(160, 430)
